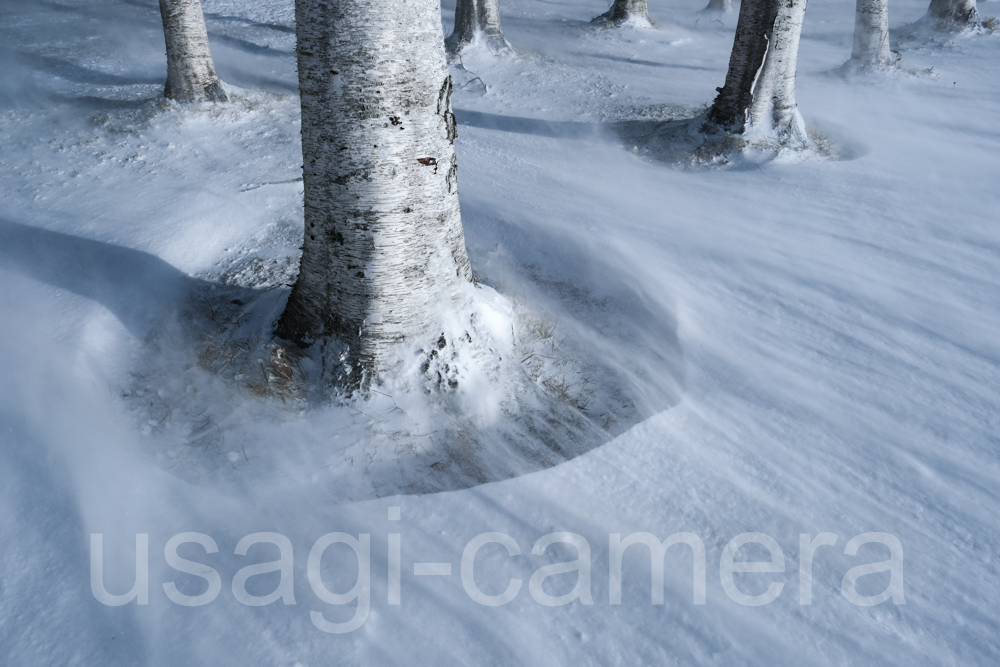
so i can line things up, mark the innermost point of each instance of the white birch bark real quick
(953, 14)
(758, 98)
(718, 7)
(631, 12)
(774, 114)
(871, 35)
(384, 258)
(478, 21)
(191, 73)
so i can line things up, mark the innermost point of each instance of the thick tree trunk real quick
(954, 13)
(871, 35)
(478, 20)
(758, 98)
(384, 258)
(191, 73)
(626, 11)
(718, 7)
(774, 114)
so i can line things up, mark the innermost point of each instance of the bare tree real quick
(383, 260)
(871, 36)
(953, 14)
(478, 20)
(191, 73)
(626, 11)
(758, 98)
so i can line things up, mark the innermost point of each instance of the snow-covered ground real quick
(832, 325)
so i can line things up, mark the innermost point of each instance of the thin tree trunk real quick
(758, 97)
(871, 35)
(718, 7)
(191, 73)
(478, 19)
(626, 11)
(384, 258)
(753, 30)
(954, 13)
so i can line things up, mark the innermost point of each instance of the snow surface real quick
(836, 321)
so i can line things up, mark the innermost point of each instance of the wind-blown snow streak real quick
(839, 323)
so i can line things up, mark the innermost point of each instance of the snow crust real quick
(835, 325)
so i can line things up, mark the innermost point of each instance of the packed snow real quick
(788, 346)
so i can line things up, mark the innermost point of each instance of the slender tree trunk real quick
(626, 11)
(478, 19)
(753, 30)
(954, 13)
(384, 258)
(718, 7)
(758, 97)
(871, 35)
(191, 73)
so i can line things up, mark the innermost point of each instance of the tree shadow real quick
(141, 290)
(228, 40)
(95, 103)
(561, 129)
(647, 63)
(247, 46)
(277, 27)
(71, 71)
(234, 53)
(217, 16)
(95, 12)
(676, 140)
(532, 126)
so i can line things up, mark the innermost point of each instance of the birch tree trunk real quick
(871, 36)
(753, 28)
(758, 98)
(774, 114)
(626, 11)
(718, 7)
(954, 14)
(191, 73)
(478, 20)
(384, 258)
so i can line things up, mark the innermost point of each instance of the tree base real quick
(611, 19)
(510, 393)
(213, 92)
(930, 27)
(698, 143)
(860, 67)
(494, 42)
(716, 7)
(456, 45)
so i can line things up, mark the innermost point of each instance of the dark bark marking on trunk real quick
(753, 33)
